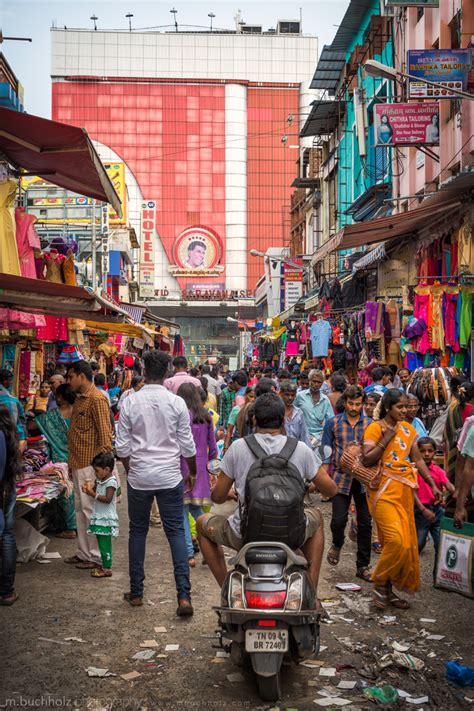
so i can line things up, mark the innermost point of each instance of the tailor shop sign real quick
(447, 67)
(407, 124)
(197, 252)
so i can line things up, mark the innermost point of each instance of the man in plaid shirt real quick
(338, 433)
(227, 399)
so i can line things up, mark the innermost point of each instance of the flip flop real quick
(8, 600)
(133, 600)
(333, 555)
(380, 598)
(377, 547)
(364, 574)
(86, 565)
(101, 573)
(398, 602)
(73, 560)
(185, 609)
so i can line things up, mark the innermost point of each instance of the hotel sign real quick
(147, 249)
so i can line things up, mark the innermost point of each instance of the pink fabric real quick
(55, 329)
(26, 240)
(173, 384)
(422, 304)
(19, 320)
(450, 322)
(292, 348)
(440, 479)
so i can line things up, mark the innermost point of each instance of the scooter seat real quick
(266, 555)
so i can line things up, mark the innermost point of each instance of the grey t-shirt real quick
(238, 460)
(212, 385)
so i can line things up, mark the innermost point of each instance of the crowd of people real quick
(182, 435)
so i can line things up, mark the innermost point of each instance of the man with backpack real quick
(258, 466)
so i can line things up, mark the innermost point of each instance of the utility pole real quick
(94, 250)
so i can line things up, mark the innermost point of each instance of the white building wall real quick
(269, 58)
(163, 279)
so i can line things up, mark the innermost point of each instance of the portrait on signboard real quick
(197, 251)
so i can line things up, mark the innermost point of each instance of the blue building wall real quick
(354, 175)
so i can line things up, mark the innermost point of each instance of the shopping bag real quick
(455, 562)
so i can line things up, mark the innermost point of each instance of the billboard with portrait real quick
(197, 252)
(407, 124)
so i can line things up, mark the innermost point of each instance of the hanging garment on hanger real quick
(320, 336)
(27, 241)
(9, 260)
(451, 304)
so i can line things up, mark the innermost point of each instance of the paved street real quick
(57, 601)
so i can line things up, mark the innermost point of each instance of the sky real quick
(33, 18)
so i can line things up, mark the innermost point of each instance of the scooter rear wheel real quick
(269, 687)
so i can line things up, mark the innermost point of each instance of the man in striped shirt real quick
(338, 433)
(90, 433)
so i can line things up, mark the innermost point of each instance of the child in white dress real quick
(104, 520)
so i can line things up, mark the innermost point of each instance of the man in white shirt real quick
(215, 531)
(181, 375)
(153, 433)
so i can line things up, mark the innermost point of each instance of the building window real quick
(455, 29)
(381, 163)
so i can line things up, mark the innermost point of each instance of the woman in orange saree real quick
(392, 442)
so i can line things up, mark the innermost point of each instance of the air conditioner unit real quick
(289, 27)
(252, 29)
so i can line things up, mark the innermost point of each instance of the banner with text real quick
(447, 67)
(293, 278)
(147, 248)
(407, 124)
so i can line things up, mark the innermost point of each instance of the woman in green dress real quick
(54, 425)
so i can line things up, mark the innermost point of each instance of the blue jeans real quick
(8, 545)
(423, 527)
(170, 505)
(195, 512)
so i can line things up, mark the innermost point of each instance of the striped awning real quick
(375, 255)
(135, 311)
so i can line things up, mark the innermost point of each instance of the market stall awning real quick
(377, 254)
(62, 154)
(38, 296)
(385, 228)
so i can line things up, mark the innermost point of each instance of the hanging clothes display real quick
(27, 241)
(9, 260)
(321, 333)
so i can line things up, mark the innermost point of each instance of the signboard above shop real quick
(407, 124)
(447, 67)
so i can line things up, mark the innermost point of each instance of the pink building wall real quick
(456, 149)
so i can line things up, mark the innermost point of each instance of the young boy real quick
(428, 513)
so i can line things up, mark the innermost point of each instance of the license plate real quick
(266, 640)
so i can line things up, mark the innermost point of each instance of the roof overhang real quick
(323, 119)
(450, 196)
(329, 69)
(38, 296)
(62, 154)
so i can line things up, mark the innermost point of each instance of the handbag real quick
(351, 463)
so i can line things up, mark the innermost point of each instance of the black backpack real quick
(274, 493)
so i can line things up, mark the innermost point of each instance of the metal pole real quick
(94, 250)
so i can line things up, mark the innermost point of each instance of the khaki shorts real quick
(217, 528)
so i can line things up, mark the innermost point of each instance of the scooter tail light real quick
(265, 600)
(236, 592)
(295, 593)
